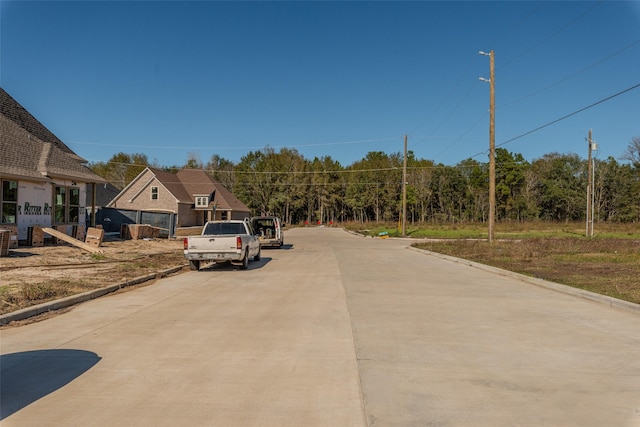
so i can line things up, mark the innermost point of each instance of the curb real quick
(25, 313)
(565, 289)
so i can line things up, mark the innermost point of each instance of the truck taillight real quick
(185, 243)
(238, 242)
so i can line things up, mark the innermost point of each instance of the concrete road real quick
(333, 330)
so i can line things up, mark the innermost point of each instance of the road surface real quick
(332, 330)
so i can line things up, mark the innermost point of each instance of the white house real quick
(44, 182)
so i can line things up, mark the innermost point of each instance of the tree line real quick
(300, 190)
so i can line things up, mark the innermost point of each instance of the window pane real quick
(74, 196)
(61, 194)
(9, 213)
(10, 191)
(59, 214)
(73, 213)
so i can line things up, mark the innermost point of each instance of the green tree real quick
(476, 175)
(562, 186)
(450, 194)
(510, 181)
(193, 161)
(616, 192)
(223, 171)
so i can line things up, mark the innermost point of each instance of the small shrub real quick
(37, 291)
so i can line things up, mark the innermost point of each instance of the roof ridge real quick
(15, 112)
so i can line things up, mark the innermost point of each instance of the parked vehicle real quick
(223, 241)
(269, 230)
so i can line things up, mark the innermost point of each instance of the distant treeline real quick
(286, 184)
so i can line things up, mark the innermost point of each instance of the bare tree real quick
(632, 153)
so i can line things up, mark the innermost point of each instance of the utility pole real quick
(590, 186)
(404, 190)
(492, 146)
(492, 142)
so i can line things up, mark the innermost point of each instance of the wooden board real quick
(94, 236)
(71, 240)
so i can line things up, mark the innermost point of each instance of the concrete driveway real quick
(332, 330)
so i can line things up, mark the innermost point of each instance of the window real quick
(154, 193)
(60, 205)
(74, 204)
(9, 201)
(66, 205)
(202, 201)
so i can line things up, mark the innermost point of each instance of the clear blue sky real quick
(326, 78)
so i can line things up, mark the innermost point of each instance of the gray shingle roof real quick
(30, 150)
(10, 108)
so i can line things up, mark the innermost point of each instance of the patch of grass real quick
(129, 266)
(40, 291)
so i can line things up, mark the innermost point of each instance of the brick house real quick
(43, 182)
(191, 195)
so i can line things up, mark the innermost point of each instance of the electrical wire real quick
(461, 79)
(561, 118)
(182, 147)
(552, 35)
(570, 76)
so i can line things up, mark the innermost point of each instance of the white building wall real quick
(35, 205)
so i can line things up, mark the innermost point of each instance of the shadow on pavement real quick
(227, 266)
(28, 376)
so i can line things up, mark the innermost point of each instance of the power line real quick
(182, 147)
(461, 136)
(563, 117)
(552, 35)
(457, 83)
(572, 75)
(569, 115)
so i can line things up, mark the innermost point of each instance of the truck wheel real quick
(257, 257)
(245, 260)
(194, 265)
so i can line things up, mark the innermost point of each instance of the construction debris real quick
(75, 242)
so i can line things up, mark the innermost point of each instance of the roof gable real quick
(188, 183)
(25, 155)
(198, 181)
(15, 112)
(31, 151)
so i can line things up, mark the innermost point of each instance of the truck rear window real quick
(225, 228)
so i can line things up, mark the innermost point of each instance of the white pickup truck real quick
(223, 241)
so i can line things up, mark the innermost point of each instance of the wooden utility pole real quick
(589, 232)
(404, 190)
(492, 146)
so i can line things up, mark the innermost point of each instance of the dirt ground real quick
(32, 275)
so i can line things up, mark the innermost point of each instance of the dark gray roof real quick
(25, 154)
(104, 194)
(15, 112)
